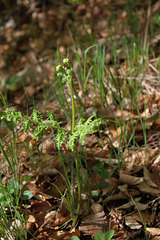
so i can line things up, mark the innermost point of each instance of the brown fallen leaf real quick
(85, 207)
(153, 231)
(145, 188)
(93, 223)
(146, 217)
(124, 189)
(141, 206)
(115, 197)
(130, 180)
(132, 223)
(96, 207)
(134, 160)
(63, 215)
(31, 224)
(37, 207)
(129, 204)
(112, 184)
(148, 177)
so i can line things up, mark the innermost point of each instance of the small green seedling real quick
(99, 236)
(12, 193)
(107, 236)
(74, 238)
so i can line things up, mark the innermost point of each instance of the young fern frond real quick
(79, 132)
(11, 115)
(36, 116)
(89, 127)
(38, 132)
(72, 139)
(60, 137)
(65, 72)
(27, 124)
(82, 129)
(51, 118)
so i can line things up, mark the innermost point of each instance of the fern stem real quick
(75, 217)
(49, 125)
(73, 106)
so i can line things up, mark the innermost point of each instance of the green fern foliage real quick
(60, 137)
(35, 122)
(82, 129)
(27, 124)
(11, 115)
(36, 116)
(38, 125)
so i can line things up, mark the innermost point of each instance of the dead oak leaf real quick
(153, 231)
(130, 180)
(132, 223)
(129, 204)
(145, 188)
(148, 177)
(93, 223)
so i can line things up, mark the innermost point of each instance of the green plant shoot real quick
(77, 133)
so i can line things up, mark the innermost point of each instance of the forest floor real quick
(114, 47)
